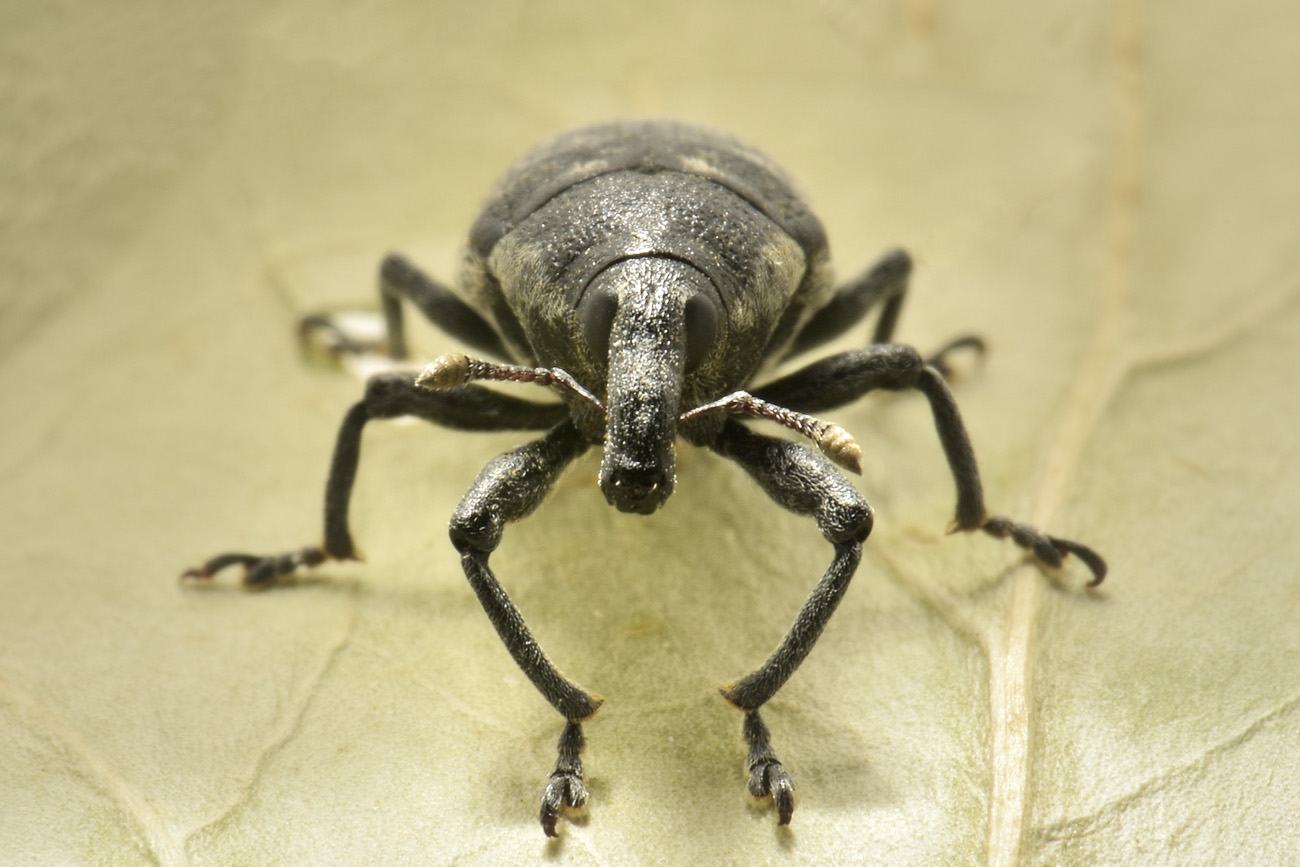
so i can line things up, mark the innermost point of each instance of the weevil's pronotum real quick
(650, 273)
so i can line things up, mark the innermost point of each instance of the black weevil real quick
(649, 271)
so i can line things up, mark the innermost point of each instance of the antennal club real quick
(453, 369)
(834, 441)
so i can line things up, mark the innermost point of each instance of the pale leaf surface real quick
(1110, 194)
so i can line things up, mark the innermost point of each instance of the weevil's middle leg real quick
(807, 483)
(388, 395)
(839, 379)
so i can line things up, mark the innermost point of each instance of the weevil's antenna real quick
(833, 441)
(454, 369)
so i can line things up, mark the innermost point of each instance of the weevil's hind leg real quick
(388, 395)
(941, 359)
(804, 482)
(842, 378)
(886, 282)
(399, 281)
(510, 488)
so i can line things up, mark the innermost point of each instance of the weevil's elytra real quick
(651, 273)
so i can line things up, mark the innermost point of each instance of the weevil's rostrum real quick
(651, 273)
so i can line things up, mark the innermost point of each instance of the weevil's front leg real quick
(804, 482)
(388, 395)
(842, 378)
(509, 488)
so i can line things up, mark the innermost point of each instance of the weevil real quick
(653, 274)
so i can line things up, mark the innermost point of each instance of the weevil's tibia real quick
(1048, 550)
(453, 369)
(833, 441)
(753, 691)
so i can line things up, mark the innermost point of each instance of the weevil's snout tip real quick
(638, 492)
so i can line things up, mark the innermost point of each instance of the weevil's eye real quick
(701, 329)
(596, 313)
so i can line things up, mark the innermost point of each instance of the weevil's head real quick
(655, 319)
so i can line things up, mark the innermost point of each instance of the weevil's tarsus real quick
(258, 569)
(1048, 550)
(565, 787)
(834, 441)
(454, 369)
(339, 336)
(767, 776)
(941, 359)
